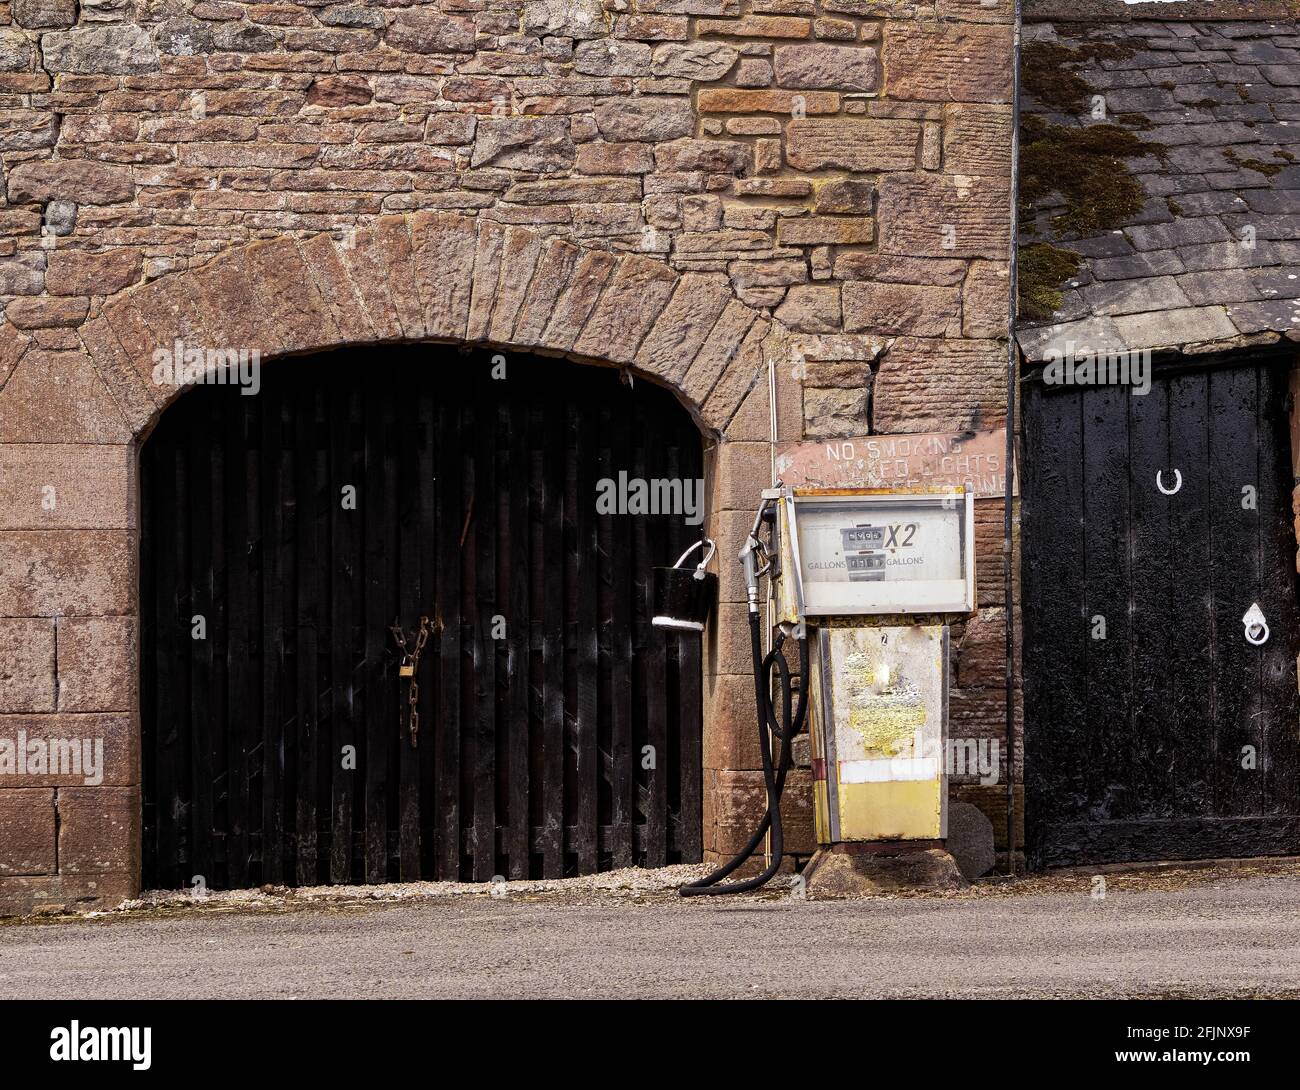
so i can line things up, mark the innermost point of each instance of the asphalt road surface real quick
(1237, 937)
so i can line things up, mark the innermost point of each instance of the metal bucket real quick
(683, 597)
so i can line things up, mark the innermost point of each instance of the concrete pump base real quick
(859, 870)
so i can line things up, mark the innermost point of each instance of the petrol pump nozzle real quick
(754, 558)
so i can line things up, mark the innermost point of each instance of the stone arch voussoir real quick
(440, 276)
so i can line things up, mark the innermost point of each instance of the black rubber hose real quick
(784, 728)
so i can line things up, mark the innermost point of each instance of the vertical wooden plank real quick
(450, 520)
(260, 483)
(653, 547)
(642, 634)
(469, 559)
(243, 489)
(196, 501)
(391, 695)
(606, 772)
(183, 605)
(321, 559)
(1191, 709)
(678, 535)
(307, 473)
(275, 493)
(171, 663)
(537, 589)
(346, 468)
(426, 488)
(219, 632)
(324, 560)
(675, 532)
(502, 551)
(1279, 700)
(288, 627)
(373, 501)
(619, 563)
(1234, 465)
(1105, 748)
(1150, 559)
(515, 418)
(585, 625)
(484, 648)
(411, 606)
(553, 567)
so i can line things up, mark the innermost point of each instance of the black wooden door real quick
(1154, 729)
(559, 732)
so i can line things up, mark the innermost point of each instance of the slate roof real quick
(1213, 258)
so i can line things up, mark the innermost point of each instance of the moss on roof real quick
(1267, 169)
(1041, 269)
(1085, 166)
(1044, 74)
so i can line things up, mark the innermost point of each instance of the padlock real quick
(406, 669)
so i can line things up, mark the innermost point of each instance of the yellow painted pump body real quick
(879, 733)
(897, 562)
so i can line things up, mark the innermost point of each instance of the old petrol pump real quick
(864, 580)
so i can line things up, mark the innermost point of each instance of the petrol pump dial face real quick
(858, 543)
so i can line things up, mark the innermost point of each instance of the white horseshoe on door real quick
(1255, 625)
(1160, 484)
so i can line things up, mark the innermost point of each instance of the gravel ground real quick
(1231, 931)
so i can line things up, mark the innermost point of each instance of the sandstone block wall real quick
(819, 183)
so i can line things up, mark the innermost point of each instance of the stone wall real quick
(707, 185)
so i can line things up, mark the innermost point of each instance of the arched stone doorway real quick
(428, 276)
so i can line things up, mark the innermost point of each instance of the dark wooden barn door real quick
(1154, 729)
(559, 732)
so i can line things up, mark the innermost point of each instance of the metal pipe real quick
(773, 418)
(1010, 454)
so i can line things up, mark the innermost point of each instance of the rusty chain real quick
(409, 668)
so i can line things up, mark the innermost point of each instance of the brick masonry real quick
(689, 188)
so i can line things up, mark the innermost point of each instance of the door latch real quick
(1255, 625)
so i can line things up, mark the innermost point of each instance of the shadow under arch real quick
(472, 501)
